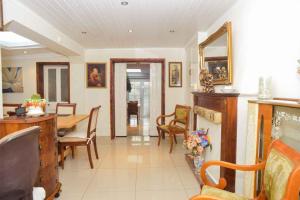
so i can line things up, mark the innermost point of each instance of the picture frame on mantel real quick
(96, 75)
(1, 15)
(175, 74)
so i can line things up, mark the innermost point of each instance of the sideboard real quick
(48, 173)
(226, 104)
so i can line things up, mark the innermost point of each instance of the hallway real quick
(131, 168)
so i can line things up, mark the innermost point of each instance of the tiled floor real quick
(132, 168)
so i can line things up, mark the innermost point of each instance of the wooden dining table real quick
(69, 121)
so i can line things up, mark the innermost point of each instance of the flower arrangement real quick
(197, 141)
(35, 105)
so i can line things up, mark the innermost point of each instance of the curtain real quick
(155, 96)
(120, 99)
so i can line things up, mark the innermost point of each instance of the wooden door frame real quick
(113, 61)
(40, 66)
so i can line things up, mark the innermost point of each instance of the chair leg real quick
(95, 147)
(175, 138)
(73, 151)
(159, 136)
(62, 157)
(90, 155)
(171, 141)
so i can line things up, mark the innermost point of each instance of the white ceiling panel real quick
(107, 22)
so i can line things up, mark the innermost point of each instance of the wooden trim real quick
(180, 74)
(17, 105)
(40, 77)
(113, 61)
(226, 28)
(218, 58)
(1, 16)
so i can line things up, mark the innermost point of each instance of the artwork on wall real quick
(217, 66)
(96, 75)
(175, 74)
(12, 80)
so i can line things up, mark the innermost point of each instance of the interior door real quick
(155, 96)
(120, 99)
(56, 86)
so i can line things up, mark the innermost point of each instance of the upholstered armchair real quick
(281, 176)
(178, 125)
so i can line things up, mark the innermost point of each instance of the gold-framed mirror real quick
(216, 55)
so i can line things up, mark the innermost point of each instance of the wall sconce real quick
(298, 68)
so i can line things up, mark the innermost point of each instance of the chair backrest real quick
(19, 156)
(282, 172)
(182, 114)
(93, 118)
(132, 107)
(10, 108)
(66, 108)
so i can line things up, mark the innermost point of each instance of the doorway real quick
(53, 83)
(118, 69)
(138, 99)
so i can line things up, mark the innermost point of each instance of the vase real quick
(198, 162)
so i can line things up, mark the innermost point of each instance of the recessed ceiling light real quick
(134, 70)
(130, 30)
(84, 32)
(124, 3)
(172, 31)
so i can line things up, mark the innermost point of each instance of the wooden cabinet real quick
(48, 173)
(225, 103)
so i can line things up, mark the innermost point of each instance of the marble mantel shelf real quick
(276, 102)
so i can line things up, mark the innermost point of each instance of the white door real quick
(120, 99)
(56, 86)
(155, 96)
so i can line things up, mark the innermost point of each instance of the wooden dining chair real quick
(9, 109)
(178, 125)
(82, 138)
(66, 109)
(132, 109)
(281, 176)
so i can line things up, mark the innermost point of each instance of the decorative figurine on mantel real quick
(206, 80)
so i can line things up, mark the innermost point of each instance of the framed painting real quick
(12, 79)
(175, 74)
(96, 75)
(218, 67)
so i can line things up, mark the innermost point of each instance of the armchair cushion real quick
(181, 114)
(176, 128)
(222, 194)
(277, 171)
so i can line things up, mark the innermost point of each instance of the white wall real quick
(266, 42)
(87, 98)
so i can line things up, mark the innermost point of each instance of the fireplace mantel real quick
(225, 103)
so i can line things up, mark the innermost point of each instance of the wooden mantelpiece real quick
(225, 103)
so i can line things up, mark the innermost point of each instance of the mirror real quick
(216, 55)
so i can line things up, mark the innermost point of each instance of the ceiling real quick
(107, 22)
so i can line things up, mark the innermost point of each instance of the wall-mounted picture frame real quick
(218, 67)
(12, 80)
(96, 75)
(175, 74)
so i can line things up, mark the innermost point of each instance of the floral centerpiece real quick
(196, 143)
(35, 105)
